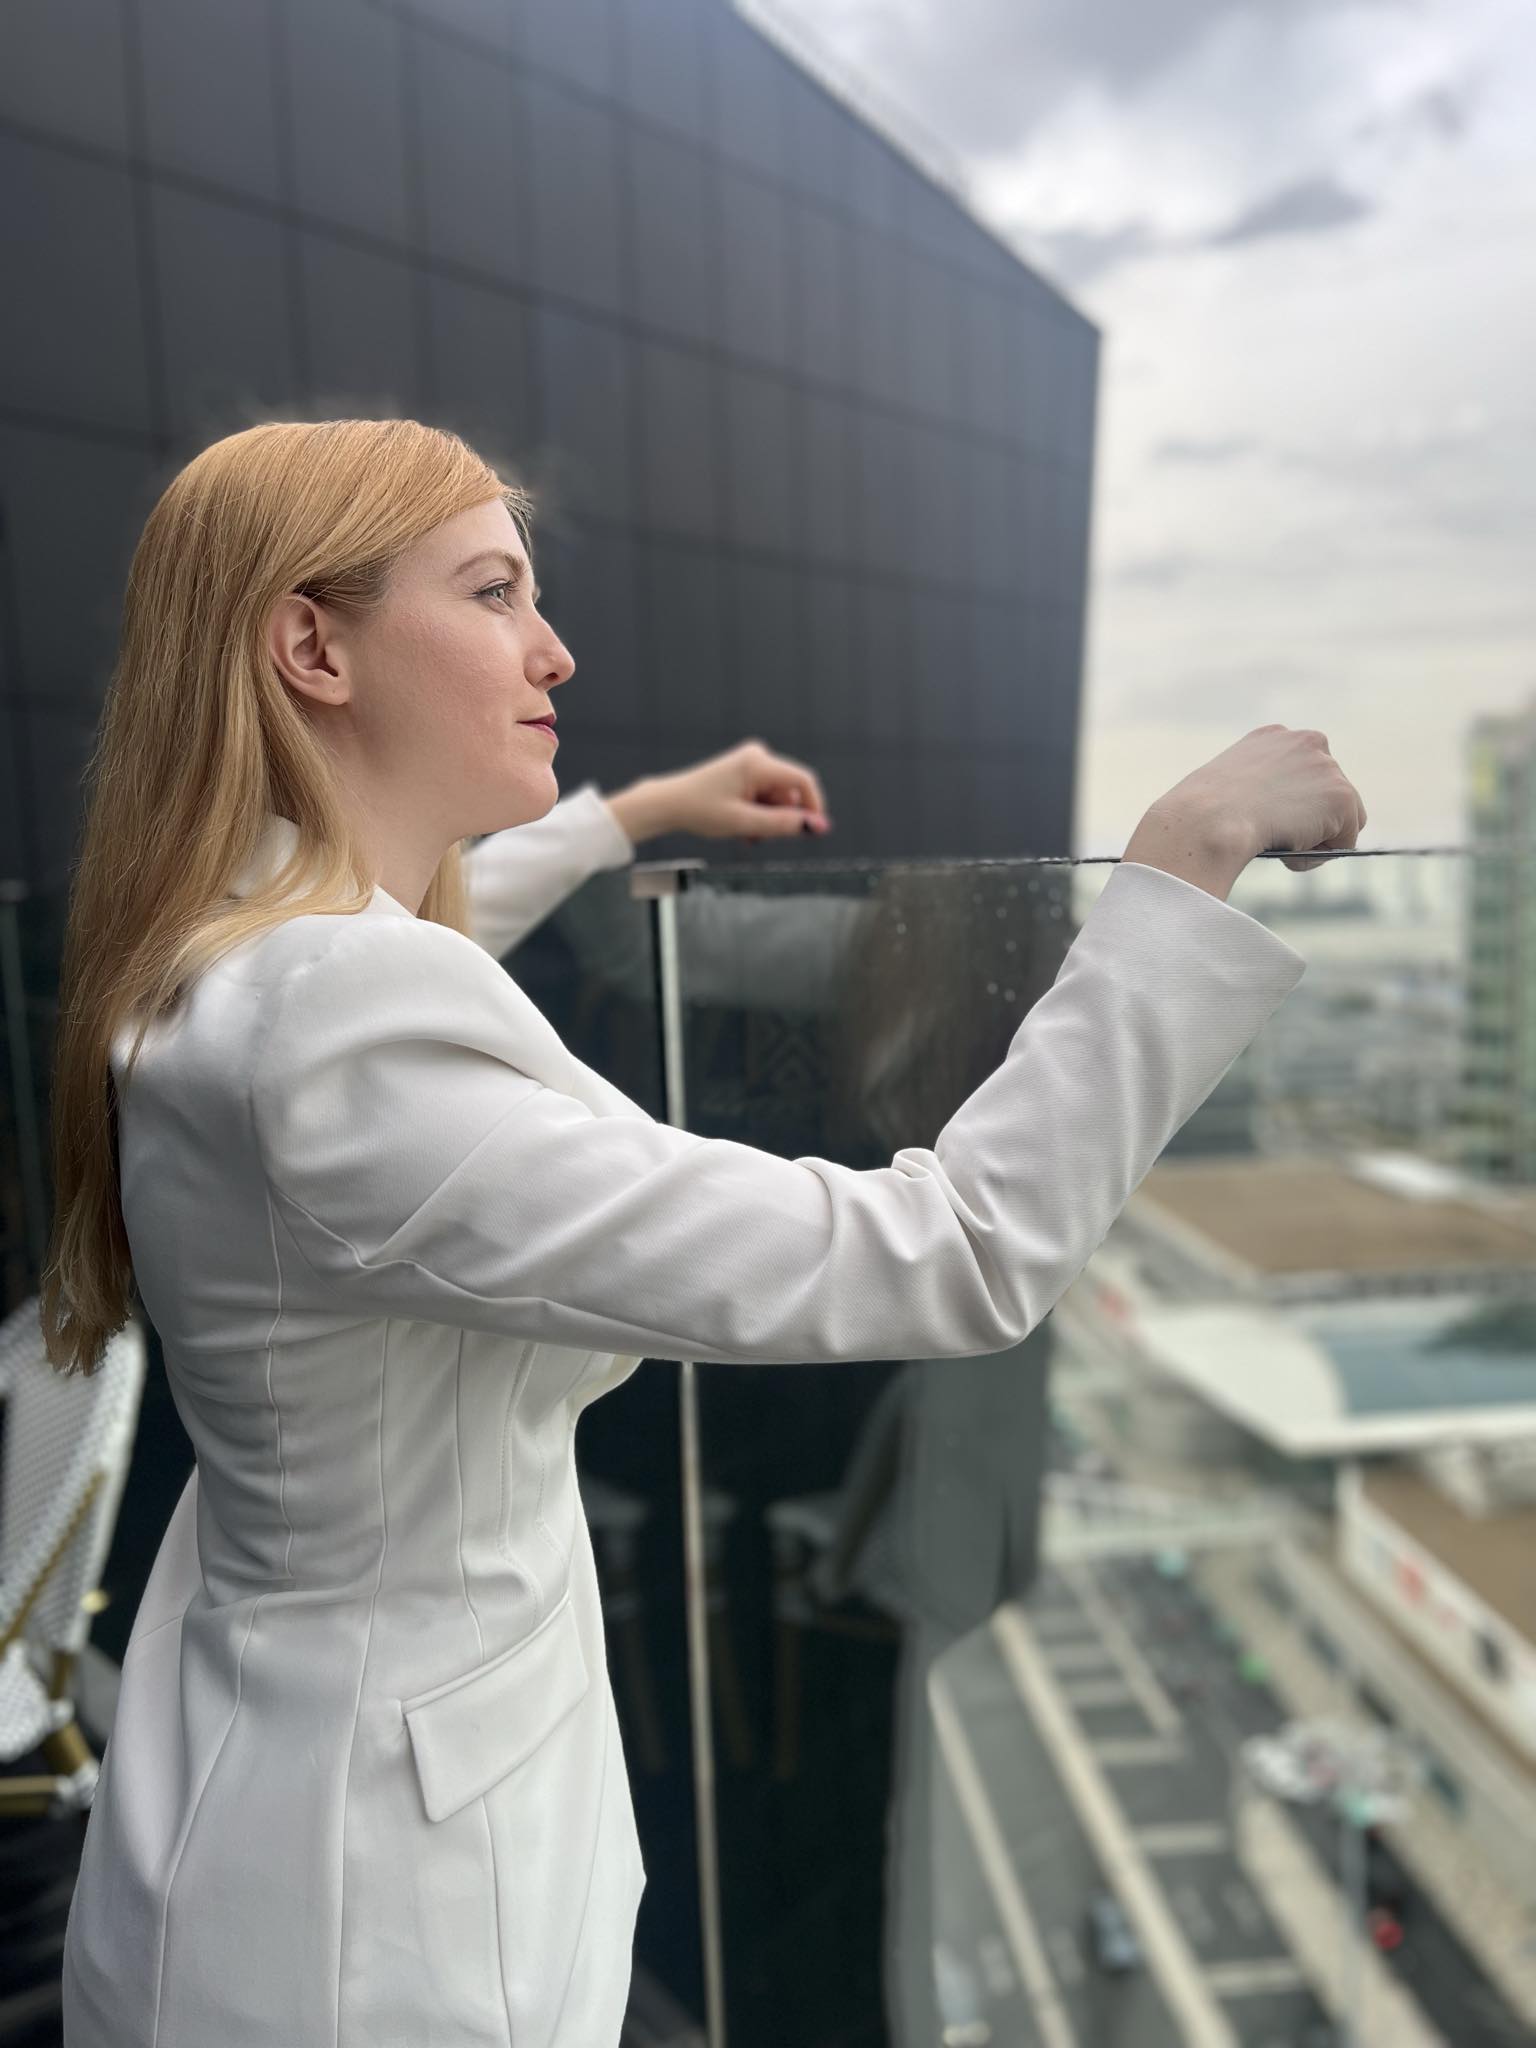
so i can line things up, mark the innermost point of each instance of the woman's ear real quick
(302, 641)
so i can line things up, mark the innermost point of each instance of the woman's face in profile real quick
(426, 700)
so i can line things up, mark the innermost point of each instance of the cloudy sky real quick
(1307, 229)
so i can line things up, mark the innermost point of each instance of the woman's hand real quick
(748, 792)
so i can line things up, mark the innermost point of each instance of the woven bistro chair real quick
(67, 1448)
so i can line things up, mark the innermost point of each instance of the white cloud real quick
(1317, 446)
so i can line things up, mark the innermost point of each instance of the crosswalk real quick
(1185, 1838)
(1260, 1978)
(1196, 1907)
(1098, 1692)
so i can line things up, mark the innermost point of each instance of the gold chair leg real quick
(27, 1797)
(67, 1749)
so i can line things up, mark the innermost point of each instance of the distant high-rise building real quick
(1498, 1114)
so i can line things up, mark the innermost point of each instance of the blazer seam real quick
(490, 1838)
(501, 1966)
(458, 1466)
(597, 1857)
(362, 1680)
(277, 1415)
(170, 1621)
(563, 1407)
(186, 1833)
(516, 1384)
(538, 1505)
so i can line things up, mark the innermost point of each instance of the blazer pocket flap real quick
(469, 1732)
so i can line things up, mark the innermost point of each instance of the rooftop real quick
(1381, 1214)
(1352, 1378)
(1491, 1555)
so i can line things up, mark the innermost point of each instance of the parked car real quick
(1386, 1930)
(1387, 1884)
(1276, 1766)
(1111, 1936)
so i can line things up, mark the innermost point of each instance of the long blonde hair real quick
(199, 742)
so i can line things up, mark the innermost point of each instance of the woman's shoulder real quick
(380, 977)
(368, 966)
(365, 945)
(317, 989)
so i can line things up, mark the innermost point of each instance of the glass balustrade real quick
(1170, 1677)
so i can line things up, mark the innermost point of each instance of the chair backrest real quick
(67, 1447)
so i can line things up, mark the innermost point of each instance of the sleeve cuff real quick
(611, 844)
(1145, 899)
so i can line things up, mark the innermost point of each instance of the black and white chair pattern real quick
(67, 1448)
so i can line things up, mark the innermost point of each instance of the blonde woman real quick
(365, 1783)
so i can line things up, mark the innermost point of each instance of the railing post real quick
(661, 883)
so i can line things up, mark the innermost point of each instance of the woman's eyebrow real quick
(518, 569)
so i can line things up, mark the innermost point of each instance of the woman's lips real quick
(542, 725)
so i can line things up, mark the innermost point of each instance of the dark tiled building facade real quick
(814, 449)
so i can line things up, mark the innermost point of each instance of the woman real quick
(365, 1783)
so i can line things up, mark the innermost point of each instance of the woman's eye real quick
(491, 588)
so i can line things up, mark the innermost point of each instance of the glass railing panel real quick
(1172, 1676)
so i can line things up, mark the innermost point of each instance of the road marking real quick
(1187, 1838)
(1194, 1912)
(1128, 1751)
(1066, 1955)
(1243, 1906)
(1139, 1675)
(1348, 1977)
(1257, 1979)
(1018, 1924)
(1098, 1692)
(1050, 1622)
(992, 1952)
(1197, 2018)
(1078, 1656)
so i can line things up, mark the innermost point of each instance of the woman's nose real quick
(559, 663)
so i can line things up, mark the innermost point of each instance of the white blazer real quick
(364, 1786)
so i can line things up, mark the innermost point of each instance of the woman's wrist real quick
(1209, 851)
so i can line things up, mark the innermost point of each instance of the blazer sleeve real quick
(515, 878)
(419, 1172)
